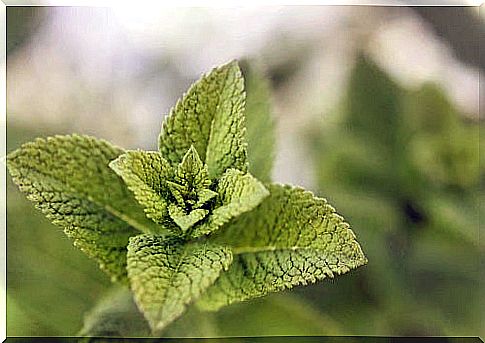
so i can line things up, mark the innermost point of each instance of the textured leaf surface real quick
(209, 117)
(292, 238)
(191, 183)
(186, 221)
(238, 193)
(191, 172)
(145, 174)
(166, 274)
(259, 123)
(68, 179)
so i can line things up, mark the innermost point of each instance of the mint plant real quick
(190, 223)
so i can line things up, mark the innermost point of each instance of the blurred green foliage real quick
(277, 314)
(260, 133)
(403, 167)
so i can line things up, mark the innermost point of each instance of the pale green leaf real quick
(68, 179)
(204, 196)
(145, 173)
(238, 193)
(186, 220)
(209, 117)
(191, 172)
(167, 274)
(259, 122)
(191, 182)
(178, 191)
(292, 238)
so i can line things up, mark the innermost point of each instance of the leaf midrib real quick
(111, 210)
(174, 273)
(213, 117)
(253, 250)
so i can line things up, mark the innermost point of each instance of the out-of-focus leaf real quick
(402, 165)
(277, 314)
(441, 145)
(115, 314)
(259, 122)
(373, 105)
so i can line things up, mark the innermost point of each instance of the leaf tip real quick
(117, 164)
(234, 63)
(191, 153)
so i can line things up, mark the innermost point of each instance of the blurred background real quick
(375, 108)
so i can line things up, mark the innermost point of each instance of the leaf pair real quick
(216, 236)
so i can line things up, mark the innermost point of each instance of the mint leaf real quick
(186, 220)
(68, 179)
(196, 184)
(238, 193)
(145, 174)
(182, 200)
(259, 123)
(204, 196)
(209, 117)
(191, 172)
(292, 238)
(191, 186)
(167, 274)
(374, 109)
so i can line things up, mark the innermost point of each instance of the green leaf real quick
(190, 188)
(186, 220)
(259, 122)
(365, 150)
(292, 238)
(238, 193)
(178, 191)
(166, 275)
(68, 179)
(278, 314)
(145, 173)
(204, 196)
(374, 105)
(191, 172)
(443, 147)
(209, 117)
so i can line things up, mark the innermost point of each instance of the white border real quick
(115, 3)
(239, 3)
(3, 172)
